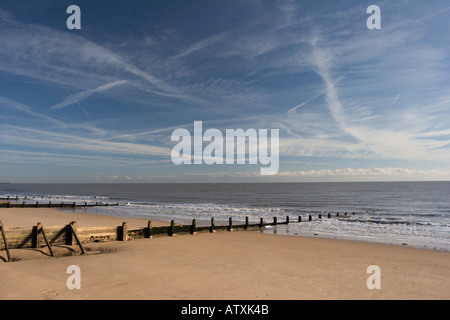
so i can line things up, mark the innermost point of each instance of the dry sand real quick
(28, 217)
(225, 265)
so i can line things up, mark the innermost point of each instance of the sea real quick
(415, 214)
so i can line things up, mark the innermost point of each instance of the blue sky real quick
(100, 104)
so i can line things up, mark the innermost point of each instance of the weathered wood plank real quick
(5, 242)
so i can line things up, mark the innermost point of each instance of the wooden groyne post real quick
(50, 204)
(76, 237)
(124, 232)
(230, 224)
(149, 229)
(194, 226)
(2, 229)
(172, 228)
(40, 231)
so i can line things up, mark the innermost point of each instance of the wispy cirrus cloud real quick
(75, 99)
(364, 130)
(11, 104)
(383, 173)
(46, 54)
(336, 91)
(198, 46)
(60, 141)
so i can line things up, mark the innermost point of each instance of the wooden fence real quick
(16, 238)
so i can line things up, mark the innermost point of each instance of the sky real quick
(100, 103)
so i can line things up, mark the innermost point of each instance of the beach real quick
(224, 150)
(239, 265)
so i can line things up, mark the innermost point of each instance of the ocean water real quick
(403, 213)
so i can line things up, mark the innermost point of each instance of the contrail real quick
(317, 96)
(395, 100)
(76, 100)
(302, 104)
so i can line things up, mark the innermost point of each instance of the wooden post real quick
(72, 230)
(172, 228)
(8, 256)
(149, 229)
(76, 237)
(37, 203)
(194, 227)
(246, 223)
(299, 218)
(275, 221)
(69, 236)
(329, 215)
(38, 237)
(41, 228)
(230, 224)
(337, 214)
(287, 219)
(124, 233)
(212, 225)
(0, 236)
(320, 216)
(310, 218)
(261, 222)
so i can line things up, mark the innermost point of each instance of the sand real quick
(28, 217)
(238, 265)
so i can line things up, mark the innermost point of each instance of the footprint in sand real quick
(50, 293)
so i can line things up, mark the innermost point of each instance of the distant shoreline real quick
(225, 182)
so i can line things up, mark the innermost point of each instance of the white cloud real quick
(10, 156)
(62, 141)
(73, 61)
(383, 173)
(346, 174)
(366, 95)
(365, 133)
(8, 103)
(197, 46)
(75, 99)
